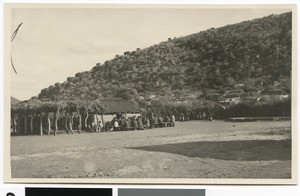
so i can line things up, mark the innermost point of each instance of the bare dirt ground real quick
(195, 149)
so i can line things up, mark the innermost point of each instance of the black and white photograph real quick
(150, 93)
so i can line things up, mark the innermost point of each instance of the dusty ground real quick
(195, 149)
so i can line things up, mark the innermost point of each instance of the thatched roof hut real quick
(14, 101)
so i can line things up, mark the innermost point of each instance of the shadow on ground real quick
(249, 150)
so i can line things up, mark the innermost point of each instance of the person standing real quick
(134, 123)
(140, 123)
(127, 124)
(172, 120)
(116, 125)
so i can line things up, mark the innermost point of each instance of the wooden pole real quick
(14, 124)
(49, 123)
(18, 124)
(79, 121)
(56, 116)
(41, 124)
(102, 119)
(86, 118)
(31, 124)
(71, 122)
(25, 124)
(97, 123)
(66, 123)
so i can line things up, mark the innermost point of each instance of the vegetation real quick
(254, 53)
(203, 110)
(270, 109)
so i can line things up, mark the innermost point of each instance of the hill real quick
(251, 56)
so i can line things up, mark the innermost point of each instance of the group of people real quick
(123, 123)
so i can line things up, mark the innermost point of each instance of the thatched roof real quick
(119, 106)
(14, 101)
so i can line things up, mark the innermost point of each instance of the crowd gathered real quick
(123, 123)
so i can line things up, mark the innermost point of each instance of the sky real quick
(53, 44)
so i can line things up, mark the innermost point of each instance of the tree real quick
(128, 94)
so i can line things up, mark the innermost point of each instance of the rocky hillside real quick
(252, 55)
